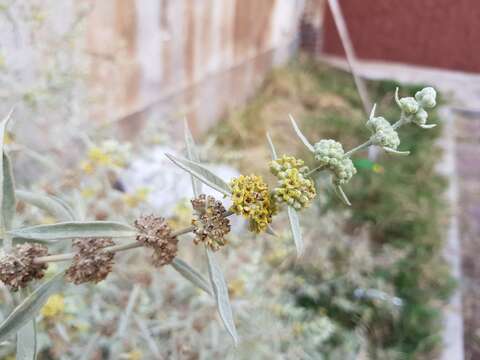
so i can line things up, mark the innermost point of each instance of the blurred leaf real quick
(272, 147)
(192, 154)
(8, 198)
(30, 306)
(6, 183)
(27, 342)
(296, 230)
(220, 289)
(202, 174)
(192, 275)
(300, 134)
(53, 205)
(74, 229)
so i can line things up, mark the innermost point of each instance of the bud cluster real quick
(294, 188)
(415, 107)
(383, 133)
(331, 155)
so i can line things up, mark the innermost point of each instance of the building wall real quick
(176, 58)
(437, 33)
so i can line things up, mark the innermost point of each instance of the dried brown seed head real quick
(210, 222)
(92, 262)
(17, 268)
(154, 232)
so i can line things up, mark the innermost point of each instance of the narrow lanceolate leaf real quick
(272, 147)
(52, 205)
(296, 230)
(27, 342)
(220, 290)
(300, 134)
(191, 275)
(201, 173)
(8, 198)
(396, 152)
(74, 229)
(30, 306)
(192, 154)
(341, 194)
(4, 218)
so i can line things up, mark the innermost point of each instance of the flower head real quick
(330, 154)
(409, 105)
(91, 262)
(426, 97)
(210, 222)
(294, 188)
(18, 268)
(252, 200)
(383, 133)
(110, 154)
(420, 117)
(154, 232)
(54, 306)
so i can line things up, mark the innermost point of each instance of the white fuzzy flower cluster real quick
(415, 107)
(330, 154)
(383, 133)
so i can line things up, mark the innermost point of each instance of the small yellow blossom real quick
(88, 192)
(134, 199)
(87, 167)
(294, 188)
(54, 306)
(252, 200)
(110, 154)
(236, 287)
(135, 355)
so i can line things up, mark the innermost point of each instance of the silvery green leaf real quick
(202, 174)
(270, 230)
(5, 213)
(300, 134)
(296, 230)
(192, 154)
(51, 204)
(74, 229)
(8, 198)
(220, 290)
(27, 342)
(428, 126)
(396, 152)
(191, 274)
(29, 307)
(272, 147)
(341, 194)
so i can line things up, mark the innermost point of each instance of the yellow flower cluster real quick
(252, 200)
(54, 306)
(294, 188)
(110, 154)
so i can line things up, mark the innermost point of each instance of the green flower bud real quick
(383, 133)
(426, 97)
(330, 154)
(420, 117)
(409, 105)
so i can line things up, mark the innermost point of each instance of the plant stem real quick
(358, 148)
(113, 248)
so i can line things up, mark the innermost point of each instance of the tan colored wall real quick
(169, 58)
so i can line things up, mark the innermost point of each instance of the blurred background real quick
(101, 90)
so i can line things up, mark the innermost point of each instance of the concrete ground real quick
(461, 142)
